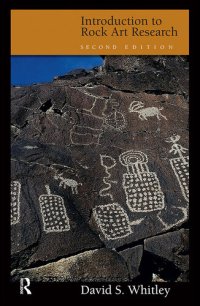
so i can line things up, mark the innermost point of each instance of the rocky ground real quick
(99, 187)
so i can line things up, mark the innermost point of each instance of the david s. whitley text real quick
(154, 290)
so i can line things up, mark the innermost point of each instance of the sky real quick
(26, 70)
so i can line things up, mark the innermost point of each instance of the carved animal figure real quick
(144, 113)
(65, 182)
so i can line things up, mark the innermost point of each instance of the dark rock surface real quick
(171, 247)
(132, 257)
(96, 265)
(100, 159)
(159, 70)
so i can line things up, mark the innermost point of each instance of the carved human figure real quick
(180, 165)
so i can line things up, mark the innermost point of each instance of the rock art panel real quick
(138, 199)
(53, 211)
(50, 226)
(115, 119)
(180, 165)
(112, 220)
(93, 121)
(142, 187)
(102, 140)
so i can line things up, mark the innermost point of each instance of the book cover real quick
(99, 154)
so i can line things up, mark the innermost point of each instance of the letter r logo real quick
(24, 284)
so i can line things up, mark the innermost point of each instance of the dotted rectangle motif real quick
(181, 170)
(15, 201)
(54, 214)
(112, 220)
(143, 192)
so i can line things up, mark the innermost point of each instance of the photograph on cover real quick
(99, 169)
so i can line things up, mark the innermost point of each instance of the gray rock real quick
(132, 257)
(156, 278)
(173, 247)
(183, 277)
(147, 72)
(96, 265)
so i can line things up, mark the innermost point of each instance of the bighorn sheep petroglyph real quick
(65, 182)
(144, 112)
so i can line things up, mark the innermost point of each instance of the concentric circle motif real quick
(132, 157)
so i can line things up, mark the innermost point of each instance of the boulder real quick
(132, 257)
(96, 265)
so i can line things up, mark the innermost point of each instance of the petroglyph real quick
(145, 112)
(80, 135)
(116, 120)
(53, 212)
(66, 182)
(180, 165)
(30, 147)
(142, 187)
(108, 163)
(113, 221)
(15, 202)
(89, 121)
(93, 121)
(89, 129)
(98, 108)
